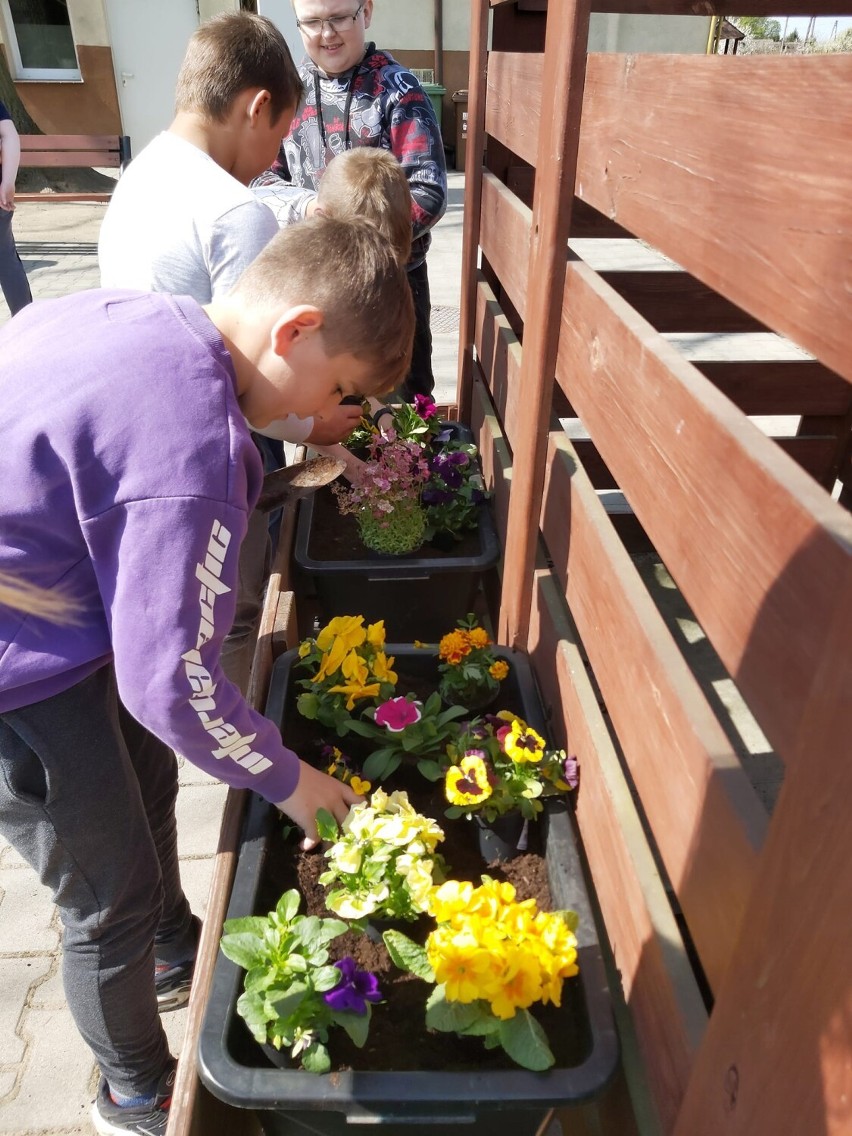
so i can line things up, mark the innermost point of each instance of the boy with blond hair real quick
(363, 183)
(133, 498)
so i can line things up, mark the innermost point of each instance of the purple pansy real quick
(397, 713)
(355, 989)
(432, 496)
(571, 772)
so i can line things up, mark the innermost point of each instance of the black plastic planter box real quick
(508, 1102)
(418, 596)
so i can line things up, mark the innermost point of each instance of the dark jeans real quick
(420, 379)
(87, 797)
(13, 279)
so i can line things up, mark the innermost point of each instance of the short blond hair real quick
(231, 53)
(347, 271)
(370, 183)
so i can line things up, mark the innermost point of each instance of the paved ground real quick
(47, 1077)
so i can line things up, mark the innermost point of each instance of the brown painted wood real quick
(686, 773)
(505, 238)
(60, 158)
(726, 509)
(563, 75)
(479, 26)
(499, 353)
(513, 101)
(777, 1049)
(656, 977)
(718, 8)
(585, 221)
(784, 249)
(779, 386)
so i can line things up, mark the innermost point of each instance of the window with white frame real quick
(39, 41)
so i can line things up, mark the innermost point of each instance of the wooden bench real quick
(77, 151)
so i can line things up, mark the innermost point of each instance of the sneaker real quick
(173, 981)
(173, 984)
(147, 1120)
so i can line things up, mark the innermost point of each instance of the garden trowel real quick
(282, 486)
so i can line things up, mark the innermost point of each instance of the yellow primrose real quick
(450, 898)
(463, 969)
(354, 691)
(356, 906)
(348, 628)
(519, 987)
(347, 857)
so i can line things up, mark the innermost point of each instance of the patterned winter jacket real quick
(377, 103)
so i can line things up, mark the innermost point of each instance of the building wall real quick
(88, 105)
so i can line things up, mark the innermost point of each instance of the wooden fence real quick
(729, 926)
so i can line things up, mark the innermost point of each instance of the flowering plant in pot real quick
(385, 496)
(491, 958)
(454, 487)
(470, 672)
(350, 667)
(499, 764)
(293, 995)
(406, 729)
(382, 860)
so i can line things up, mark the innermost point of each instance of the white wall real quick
(678, 34)
(282, 15)
(409, 25)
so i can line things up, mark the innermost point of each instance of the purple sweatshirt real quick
(127, 475)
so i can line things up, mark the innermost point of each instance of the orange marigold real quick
(453, 647)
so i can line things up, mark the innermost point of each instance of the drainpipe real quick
(439, 42)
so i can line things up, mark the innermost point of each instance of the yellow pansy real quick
(331, 661)
(523, 744)
(376, 634)
(381, 666)
(348, 628)
(354, 691)
(355, 669)
(360, 787)
(467, 783)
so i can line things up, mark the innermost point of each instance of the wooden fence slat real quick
(513, 101)
(505, 238)
(75, 158)
(725, 509)
(784, 250)
(776, 1056)
(678, 754)
(779, 386)
(499, 354)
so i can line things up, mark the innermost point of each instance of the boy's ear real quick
(258, 101)
(293, 325)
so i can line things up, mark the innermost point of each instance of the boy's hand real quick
(334, 427)
(317, 791)
(7, 195)
(353, 465)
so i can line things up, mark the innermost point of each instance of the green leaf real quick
(431, 770)
(365, 729)
(450, 1017)
(432, 704)
(251, 1008)
(243, 948)
(380, 764)
(452, 713)
(408, 955)
(287, 907)
(570, 918)
(356, 1025)
(526, 1042)
(326, 978)
(327, 825)
(307, 705)
(291, 1001)
(315, 1058)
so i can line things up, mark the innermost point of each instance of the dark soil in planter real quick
(336, 537)
(398, 1040)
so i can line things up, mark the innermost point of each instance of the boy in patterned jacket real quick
(355, 95)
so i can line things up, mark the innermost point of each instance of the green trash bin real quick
(436, 94)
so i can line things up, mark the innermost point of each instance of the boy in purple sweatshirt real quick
(104, 501)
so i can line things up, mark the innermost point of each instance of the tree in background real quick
(758, 27)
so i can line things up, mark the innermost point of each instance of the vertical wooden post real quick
(563, 78)
(479, 17)
(776, 1054)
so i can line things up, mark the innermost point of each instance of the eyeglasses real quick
(339, 24)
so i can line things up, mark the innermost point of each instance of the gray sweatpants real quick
(87, 797)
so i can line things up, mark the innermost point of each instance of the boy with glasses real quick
(355, 95)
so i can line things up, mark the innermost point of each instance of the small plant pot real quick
(500, 839)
